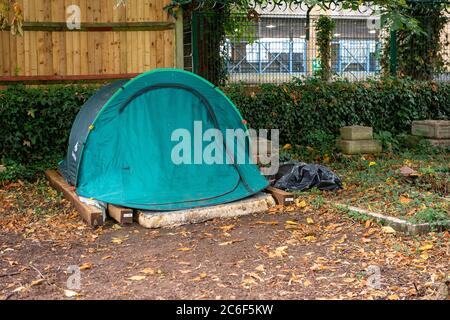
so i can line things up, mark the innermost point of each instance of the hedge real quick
(306, 110)
(35, 122)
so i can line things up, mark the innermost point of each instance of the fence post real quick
(194, 35)
(291, 54)
(393, 53)
(179, 41)
(259, 57)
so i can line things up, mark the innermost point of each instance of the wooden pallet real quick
(281, 197)
(92, 215)
(121, 214)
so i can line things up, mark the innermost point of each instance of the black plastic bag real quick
(300, 176)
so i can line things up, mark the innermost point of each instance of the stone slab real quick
(437, 129)
(399, 224)
(258, 203)
(409, 140)
(356, 133)
(439, 142)
(359, 146)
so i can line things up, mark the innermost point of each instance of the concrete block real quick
(260, 202)
(359, 146)
(409, 140)
(439, 142)
(356, 133)
(437, 129)
(261, 145)
(263, 152)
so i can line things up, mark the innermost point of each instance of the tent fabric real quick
(79, 132)
(120, 147)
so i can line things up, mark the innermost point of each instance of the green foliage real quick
(356, 215)
(324, 34)
(15, 170)
(438, 217)
(388, 141)
(304, 109)
(35, 124)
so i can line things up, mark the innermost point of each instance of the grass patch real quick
(374, 183)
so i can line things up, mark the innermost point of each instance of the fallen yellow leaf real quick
(36, 282)
(184, 249)
(278, 252)
(70, 293)
(200, 277)
(86, 266)
(319, 267)
(309, 220)
(148, 271)
(424, 256)
(294, 278)
(388, 229)
(227, 228)
(404, 200)
(426, 247)
(247, 282)
(118, 240)
(342, 240)
(230, 242)
(136, 278)
(272, 223)
(300, 203)
(260, 268)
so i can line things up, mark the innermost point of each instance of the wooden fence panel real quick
(113, 41)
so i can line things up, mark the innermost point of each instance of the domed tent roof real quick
(121, 145)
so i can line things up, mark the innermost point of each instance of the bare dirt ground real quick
(288, 253)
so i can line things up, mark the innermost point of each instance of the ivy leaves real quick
(311, 112)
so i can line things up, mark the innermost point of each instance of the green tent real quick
(121, 145)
